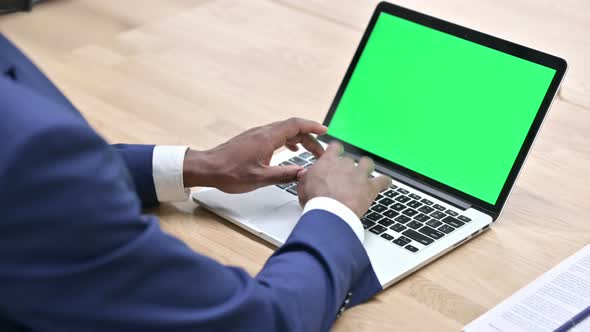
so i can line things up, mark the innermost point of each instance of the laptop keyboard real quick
(399, 214)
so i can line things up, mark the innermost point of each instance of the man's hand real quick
(242, 163)
(339, 178)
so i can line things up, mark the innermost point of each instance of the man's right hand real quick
(339, 178)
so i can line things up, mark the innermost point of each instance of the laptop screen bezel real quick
(544, 59)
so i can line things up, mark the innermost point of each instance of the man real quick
(76, 254)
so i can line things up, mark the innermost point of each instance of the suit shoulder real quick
(26, 115)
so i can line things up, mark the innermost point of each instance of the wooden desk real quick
(198, 72)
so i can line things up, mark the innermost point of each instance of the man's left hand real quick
(242, 164)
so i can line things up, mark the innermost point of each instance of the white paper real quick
(546, 303)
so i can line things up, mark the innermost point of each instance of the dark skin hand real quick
(242, 164)
(339, 178)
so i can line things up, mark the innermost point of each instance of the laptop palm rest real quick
(278, 224)
(268, 212)
(245, 207)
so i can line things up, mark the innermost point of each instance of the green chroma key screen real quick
(444, 107)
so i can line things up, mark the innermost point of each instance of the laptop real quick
(448, 112)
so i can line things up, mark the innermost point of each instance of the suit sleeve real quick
(138, 160)
(85, 258)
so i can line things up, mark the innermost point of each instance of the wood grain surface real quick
(197, 72)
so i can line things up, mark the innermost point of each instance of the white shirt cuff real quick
(339, 209)
(167, 164)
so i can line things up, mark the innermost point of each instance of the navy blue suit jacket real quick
(77, 254)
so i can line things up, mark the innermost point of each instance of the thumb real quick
(301, 173)
(280, 174)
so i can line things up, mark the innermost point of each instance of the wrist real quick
(349, 204)
(339, 209)
(198, 168)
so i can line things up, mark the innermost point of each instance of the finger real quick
(381, 183)
(292, 147)
(301, 174)
(279, 174)
(304, 126)
(312, 145)
(347, 162)
(334, 150)
(309, 142)
(366, 165)
(295, 126)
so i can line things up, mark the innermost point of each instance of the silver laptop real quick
(449, 113)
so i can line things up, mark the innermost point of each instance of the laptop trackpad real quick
(244, 207)
(279, 223)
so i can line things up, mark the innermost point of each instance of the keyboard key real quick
(437, 214)
(414, 204)
(426, 209)
(426, 201)
(390, 214)
(391, 193)
(402, 241)
(306, 155)
(422, 217)
(452, 213)
(453, 222)
(446, 228)
(405, 239)
(293, 189)
(284, 185)
(379, 196)
(431, 232)
(393, 186)
(420, 238)
(402, 219)
(414, 196)
(387, 236)
(411, 248)
(439, 207)
(386, 201)
(308, 165)
(377, 229)
(410, 212)
(298, 161)
(367, 223)
(386, 222)
(374, 216)
(403, 191)
(414, 224)
(463, 218)
(397, 206)
(379, 208)
(398, 228)
(433, 223)
(403, 199)
(286, 163)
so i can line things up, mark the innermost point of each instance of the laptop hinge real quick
(424, 187)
